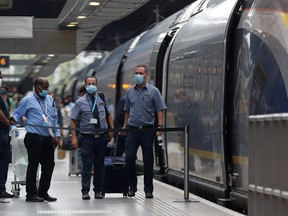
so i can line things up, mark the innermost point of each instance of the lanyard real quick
(46, 107)
(95, 103)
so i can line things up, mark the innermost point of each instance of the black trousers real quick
(5, 158)
(40, 150)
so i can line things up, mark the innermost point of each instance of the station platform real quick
(167, 200)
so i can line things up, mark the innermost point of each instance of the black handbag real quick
(67, 144)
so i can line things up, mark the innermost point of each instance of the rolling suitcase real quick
(115, 178)
(75, 162)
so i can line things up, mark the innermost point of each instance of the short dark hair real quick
(144, 66)
(88, 77)
(5, 87)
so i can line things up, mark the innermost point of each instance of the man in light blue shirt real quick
(40, 140)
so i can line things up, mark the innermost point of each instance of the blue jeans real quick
(93, 151)
(5, 157)
(133, 141)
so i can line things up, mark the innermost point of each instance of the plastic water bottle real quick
(160, 140)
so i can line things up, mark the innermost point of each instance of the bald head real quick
(41, 84)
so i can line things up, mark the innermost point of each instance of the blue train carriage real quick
(195, 95)
(258, 81)
(230, 60)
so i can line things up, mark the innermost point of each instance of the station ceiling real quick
(104, 26)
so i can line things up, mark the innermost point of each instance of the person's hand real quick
(56, 141)
(15, 130)
(12, 120)
(74, 142)
(123, 133)
(110, 135)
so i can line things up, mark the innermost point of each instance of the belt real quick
(92, 135)
(141, 127)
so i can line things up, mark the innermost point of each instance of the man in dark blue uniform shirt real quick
(142, 101)
(5, 155)
(93, 113)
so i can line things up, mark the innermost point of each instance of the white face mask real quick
(0, 82)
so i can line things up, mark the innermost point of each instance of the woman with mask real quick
(90, 111)
(40, 139)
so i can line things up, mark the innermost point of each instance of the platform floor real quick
(67, 190)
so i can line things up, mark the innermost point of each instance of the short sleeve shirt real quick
(82, 112)
(142, 105)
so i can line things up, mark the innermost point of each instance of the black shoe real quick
(98, 195)
(34, 199)
(49, 198)
(131, 192)
(149, 196)
(4, 194)
(85, 196)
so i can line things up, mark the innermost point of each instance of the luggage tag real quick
(93, 121)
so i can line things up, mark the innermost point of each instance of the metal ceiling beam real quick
(97, 17)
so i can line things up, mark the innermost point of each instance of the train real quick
(215, 62)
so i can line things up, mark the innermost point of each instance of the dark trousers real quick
(40, 150)
(133, 141)
(93, 151)
(5, 158)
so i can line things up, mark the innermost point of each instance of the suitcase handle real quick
(114, 161)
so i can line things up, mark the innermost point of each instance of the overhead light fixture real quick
(81, 17)
(71, 25)
(94, 4)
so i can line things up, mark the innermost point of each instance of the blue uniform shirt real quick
(142, 104)
(82, 111)
(33, 107)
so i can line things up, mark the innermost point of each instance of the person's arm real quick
(74, 140)
(160, 116)
(4, 119)
(111, 124)
(125, 124)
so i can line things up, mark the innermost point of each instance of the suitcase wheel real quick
(124, 194)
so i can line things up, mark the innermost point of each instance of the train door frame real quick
(226, 150)
(158, 66)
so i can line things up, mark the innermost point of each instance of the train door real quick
(156, 70)
(234, 160)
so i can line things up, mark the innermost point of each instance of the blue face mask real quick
(43, 92)
(91, 89)
(139, 78)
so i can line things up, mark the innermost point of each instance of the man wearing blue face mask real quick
(40, 140)
(142, 101)
(93, 113)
